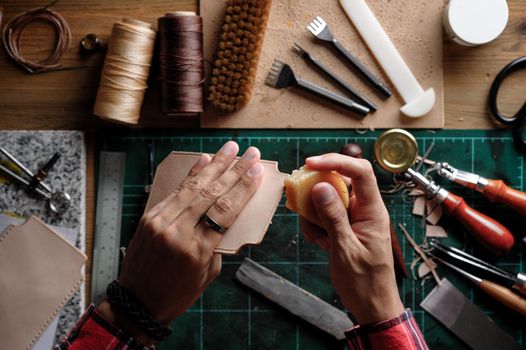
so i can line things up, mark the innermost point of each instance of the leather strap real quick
(136, 313)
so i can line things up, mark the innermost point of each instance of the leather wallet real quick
(39, 272)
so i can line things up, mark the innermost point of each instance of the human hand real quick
(170, 260)
(357, 240)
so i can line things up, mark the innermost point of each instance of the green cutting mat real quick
(229, 316)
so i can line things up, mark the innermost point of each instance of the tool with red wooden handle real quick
(487, 231)
(495, 190)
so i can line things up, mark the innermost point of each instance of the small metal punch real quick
(59, 202)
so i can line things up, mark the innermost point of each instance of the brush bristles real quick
(235, 66)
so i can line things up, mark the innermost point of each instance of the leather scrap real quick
(419, 207)
(433, 231)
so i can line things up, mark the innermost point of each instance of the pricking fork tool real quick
(58, 202)
(319, 28)
(346, 86)
(282, 76)
(479, 267)
(417, 101)
(494, 190)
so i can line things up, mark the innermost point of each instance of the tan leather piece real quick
(39, 273)
(251, 224)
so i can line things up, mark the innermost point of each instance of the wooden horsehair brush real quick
(237, 55)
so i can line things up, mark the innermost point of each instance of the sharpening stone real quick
(450, 307)
(298, 301)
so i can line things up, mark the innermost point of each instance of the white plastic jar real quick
(475, 22)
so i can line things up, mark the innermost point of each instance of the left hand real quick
(170, 260)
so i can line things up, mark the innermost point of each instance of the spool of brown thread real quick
(125, 72)
(181, 62)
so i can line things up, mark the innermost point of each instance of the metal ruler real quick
(107, 223)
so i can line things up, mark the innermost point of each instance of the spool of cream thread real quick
(125, 73)
(475, 22)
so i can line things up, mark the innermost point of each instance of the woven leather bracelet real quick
(135, 312)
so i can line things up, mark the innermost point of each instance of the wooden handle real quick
(398, 255)
(505, 296)
(497, 191)
(488, 232)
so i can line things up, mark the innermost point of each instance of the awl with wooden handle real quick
(496, 291)
(495, 190)
(478, 266)
(487, 231)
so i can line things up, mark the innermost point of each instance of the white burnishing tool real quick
(417, 101)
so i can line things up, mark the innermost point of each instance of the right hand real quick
(357, 240)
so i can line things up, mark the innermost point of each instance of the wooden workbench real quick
(64, 100)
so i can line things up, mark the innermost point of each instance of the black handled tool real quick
(282, 76)
(346, 86)
(42, 173)
(319, 28)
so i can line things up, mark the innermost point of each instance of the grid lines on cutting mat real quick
(230, 316)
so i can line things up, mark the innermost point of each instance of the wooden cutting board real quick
(413, 25)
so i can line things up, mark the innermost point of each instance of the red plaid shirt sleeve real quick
(399, 333)
(93, 332)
